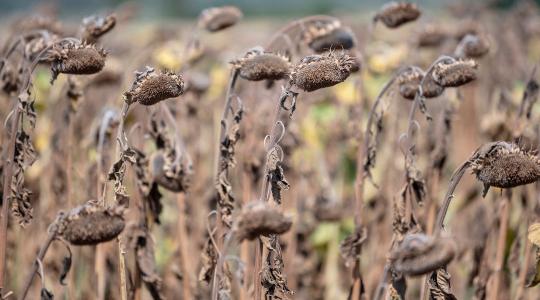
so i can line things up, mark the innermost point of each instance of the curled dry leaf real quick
(258, 65)
(439, 285)
(455, 73)
(323, 36)
(321, 71)
(143, 245)
(420, 254)
(76, 59)
(272, 278)
(258, 218)
(504, 165)
(218, 18)
(395, 14)
(151, 87)
(209, 258)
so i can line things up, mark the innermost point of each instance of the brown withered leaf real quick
(439, 285)
(25, 155)
(209, 258)
(530, 96)
(143, 245)
(272, 279)
(351, 246)
(117, 174)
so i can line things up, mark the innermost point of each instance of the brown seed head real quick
(259, 65)
(320, 71)
(395, 14)
(430, 88)
(504, 165)
(431, 36)
(259, 218)
(76, 59)
(151, 87)
(324, 36)
(409, 82)
(217, 18)
(472, 46)
(420, 254)
(91, 225)
(34, 23)
(455, 73)
(94, 27)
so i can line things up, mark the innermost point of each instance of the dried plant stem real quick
(244, 250)
(122, 267)
(185, 262)
(501, 244)
(524, 267)
(454, 180)
(8, 178)
(265, 190)
(41, 254)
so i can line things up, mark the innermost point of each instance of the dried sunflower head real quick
(324, 36)
(455, 73)
(35, 44)
(38, 22)
(217, 18)
(431, 36)
(320, 71)
(431, 89)
(395, 14)
(258, 65)
(94, 27)
(258, 218)
(90, 224)
(70, 58)
(472, 46)
(504, 165)
(420, 254)
(151, 87)
(409, 82)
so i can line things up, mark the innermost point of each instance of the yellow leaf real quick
(534, 234)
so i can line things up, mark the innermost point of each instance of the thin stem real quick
(185, 262)
(41, 254)
(501, 244)
(218, 272)
(454, 180)
(524, 267)
(8, 178)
